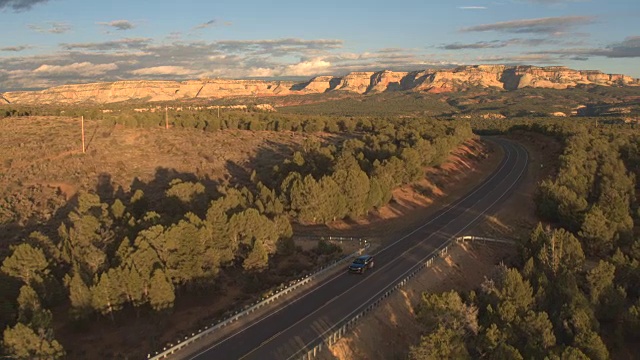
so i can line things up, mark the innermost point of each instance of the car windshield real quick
(358, 261)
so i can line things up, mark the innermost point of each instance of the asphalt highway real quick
(289, 330)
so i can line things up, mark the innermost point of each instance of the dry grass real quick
(42, 167)
(42, 156)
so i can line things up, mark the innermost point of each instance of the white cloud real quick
(261, 72)
(307, 68)
(163, 70)
(84, 69)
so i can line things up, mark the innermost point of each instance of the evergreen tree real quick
(118, 209)
(597, 232)
(161, 291)
(512, 294)
(106, 294)
(26, 263)
(591, 344)
(571, 353)
(537, 337)
(599, 279)
(443, 343)
(21, 342)
(559, 252)
(79, 296)
(30, 311)
(134, 285)
(258, 258)
(355, 185)
(38, 240)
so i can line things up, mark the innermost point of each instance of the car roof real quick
(364, 257)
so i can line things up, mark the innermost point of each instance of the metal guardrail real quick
(181, 343)
(338, 333)
(484, 240)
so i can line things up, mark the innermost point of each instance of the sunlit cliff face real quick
(457, 79)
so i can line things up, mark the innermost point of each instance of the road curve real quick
(289, 330)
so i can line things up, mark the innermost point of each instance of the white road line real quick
(410, 269)
(452, 205)
(448, 209)
(389, 264)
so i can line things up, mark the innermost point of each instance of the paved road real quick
(285, 333)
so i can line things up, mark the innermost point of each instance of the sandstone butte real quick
(434, 81)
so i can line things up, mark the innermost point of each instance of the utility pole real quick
(166, 118)
(82, 126)
(218, 111)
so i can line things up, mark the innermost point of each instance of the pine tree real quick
(571, 353)
(134, 285)
(106, 294)
(21, 342)
(79, 296)
(161, 291)
(443, 343)
(560, 252)
(591, 344)
(258, 258)
(513, 295)
(597, 232)
(26, 263)
(118, 209)
(354, 184)
(30, 310)
(537, 336)
(599, 279)
(331, 203)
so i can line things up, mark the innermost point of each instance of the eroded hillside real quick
(433, 81)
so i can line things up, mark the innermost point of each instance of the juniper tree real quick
(26, 263)
(258, 258)
(79, 297)
(161, 291)
(597, 232)
(21, 342)
(107, 296)
(31, 312)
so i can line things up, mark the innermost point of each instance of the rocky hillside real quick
(435, 81)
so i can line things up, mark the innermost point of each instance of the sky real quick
(48, 43)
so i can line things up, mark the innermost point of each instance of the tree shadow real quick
(423, 190)
(238, 175)
(267, 156)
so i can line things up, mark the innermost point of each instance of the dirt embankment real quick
(464, 168)
(390, 330)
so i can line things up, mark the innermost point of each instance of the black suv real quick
(361, 264)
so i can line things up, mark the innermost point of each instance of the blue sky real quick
(53, 42)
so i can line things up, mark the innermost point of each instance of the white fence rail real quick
(339, 330)
(170, 349)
